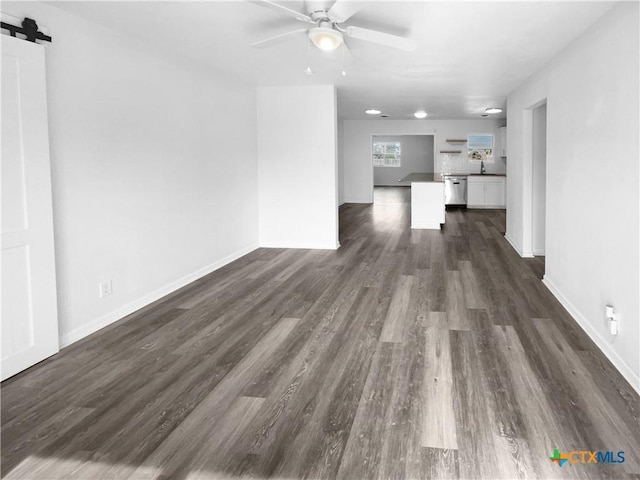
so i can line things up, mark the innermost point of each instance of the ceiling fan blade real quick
(285, 10)
(393, 41)
(277, 39)
(343, 10)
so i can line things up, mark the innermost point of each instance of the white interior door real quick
(28, 285)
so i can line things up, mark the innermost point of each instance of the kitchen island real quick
(427, 200)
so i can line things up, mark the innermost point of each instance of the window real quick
(386, 154)
(480, 147)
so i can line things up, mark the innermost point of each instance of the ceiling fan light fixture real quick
(493, 110)
(420, 114)
(326, 38)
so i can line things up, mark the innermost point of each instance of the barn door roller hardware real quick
(29, 29)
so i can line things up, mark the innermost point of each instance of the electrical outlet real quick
(612, 316)
(106, 289)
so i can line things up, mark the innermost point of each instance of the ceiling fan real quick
(327, 32)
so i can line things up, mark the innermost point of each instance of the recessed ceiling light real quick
(373, 111)
(384, 115)
(493, 110)
(420, 114)
(484, 115)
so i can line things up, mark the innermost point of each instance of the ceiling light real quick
(420, 114)
(484, 115)
(308, 71)
(493, 110)
(384, 115)
(373, 111)
(325, 38)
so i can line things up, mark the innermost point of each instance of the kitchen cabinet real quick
(494, 194)
(475, 193)
(486, 191)
(503, 141)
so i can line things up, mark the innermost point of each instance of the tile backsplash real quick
(458, 163)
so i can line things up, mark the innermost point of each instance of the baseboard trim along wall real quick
(517, 249)
(99, 323)
(357, 200)
(604, 346)
(299, 246)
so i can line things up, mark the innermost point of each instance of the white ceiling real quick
(470, 55)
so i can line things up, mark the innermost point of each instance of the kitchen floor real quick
(391, 195)
(404, 354)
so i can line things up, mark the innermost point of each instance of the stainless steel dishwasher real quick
(455, 190)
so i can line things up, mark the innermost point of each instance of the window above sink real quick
(480, 147)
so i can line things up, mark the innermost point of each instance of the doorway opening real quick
(393, 157)
(539, 179)
(539, 183)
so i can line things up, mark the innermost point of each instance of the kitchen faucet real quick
(482, 170)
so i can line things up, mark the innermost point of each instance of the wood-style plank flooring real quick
(402, 355)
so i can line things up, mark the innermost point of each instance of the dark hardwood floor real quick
(404, 354)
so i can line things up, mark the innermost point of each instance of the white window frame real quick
(478, 149)
(389, 159)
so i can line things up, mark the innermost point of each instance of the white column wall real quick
(297, 158)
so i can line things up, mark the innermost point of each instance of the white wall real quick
(357, 168)
(154, 169)
(340, 135)
(416, 156)
(539, 160)
(297, 157)
(592, 248)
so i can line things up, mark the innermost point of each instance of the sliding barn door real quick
(28, 283)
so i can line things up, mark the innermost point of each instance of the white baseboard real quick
(604, 346)
(101, 322)
(308, 246)
(539, 253)
(357, 200)
(517, 249)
